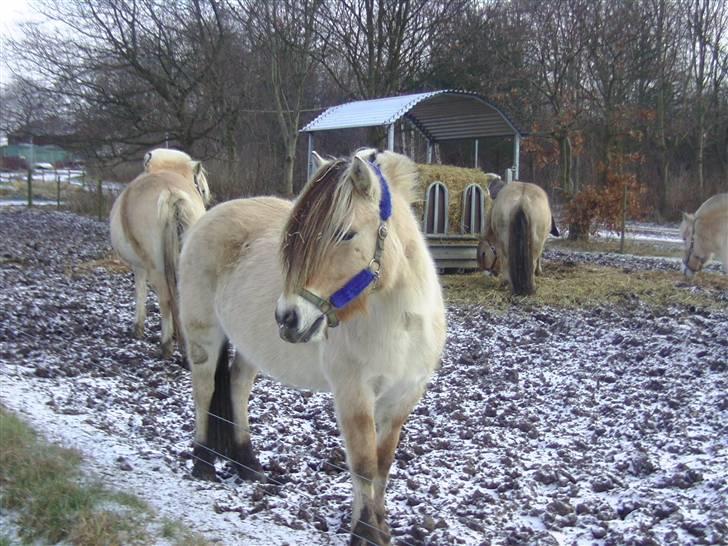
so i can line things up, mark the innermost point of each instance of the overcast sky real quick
(12, 13)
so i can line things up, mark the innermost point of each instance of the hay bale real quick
(456, 180)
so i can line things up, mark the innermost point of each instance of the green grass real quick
(578, 285)
(54, 501)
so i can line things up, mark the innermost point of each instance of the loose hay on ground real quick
(568, 285)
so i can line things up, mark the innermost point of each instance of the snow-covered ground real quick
(647, 233)
(604, 426)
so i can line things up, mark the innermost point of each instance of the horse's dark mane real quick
(321, 213)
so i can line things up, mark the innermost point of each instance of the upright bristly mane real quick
(322, 214)
(401, 173)
(164, 159)
(176, 161)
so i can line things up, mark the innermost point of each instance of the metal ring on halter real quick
(375, 267)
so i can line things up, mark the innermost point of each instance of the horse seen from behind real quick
(333, 292)
(519, 222)
(148, 220)
(705, 233)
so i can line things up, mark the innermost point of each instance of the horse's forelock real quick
(321, 213)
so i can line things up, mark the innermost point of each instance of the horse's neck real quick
(415, 274)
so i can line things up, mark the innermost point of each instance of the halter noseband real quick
(367, 276)
(686, 261)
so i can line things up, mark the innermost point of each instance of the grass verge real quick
(579, 285)
(43, 484)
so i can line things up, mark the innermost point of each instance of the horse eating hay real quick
(147, 221)
(519, 222)
(335, 292)
(705, 233)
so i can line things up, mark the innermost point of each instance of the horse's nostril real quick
(287, 319)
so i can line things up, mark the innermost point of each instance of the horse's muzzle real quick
(288, 327)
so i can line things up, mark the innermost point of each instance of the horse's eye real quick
(349, 235)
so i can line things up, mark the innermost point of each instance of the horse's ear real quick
(147, 159)
(318, 161)
(687, 217)
(196, 167)
(361, 175)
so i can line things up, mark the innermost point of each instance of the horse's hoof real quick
(367, 532)
(167, 349)
(204, 471)
(249, 474)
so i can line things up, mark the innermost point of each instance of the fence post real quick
(99, 190)
(58, 191)
(624, 218)
(30, 186)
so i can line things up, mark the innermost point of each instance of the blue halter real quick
(367, 276)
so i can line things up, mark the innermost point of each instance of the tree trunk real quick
(565, 179)
(701, 149)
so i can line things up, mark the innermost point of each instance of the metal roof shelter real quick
(438, 115)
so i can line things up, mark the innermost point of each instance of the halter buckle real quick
(375, 267)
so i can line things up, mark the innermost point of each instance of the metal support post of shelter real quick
(390, 137)
(310, 157)
(516, 156)
(475, 160)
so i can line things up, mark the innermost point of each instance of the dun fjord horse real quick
(334, 292)
(147, 222)
(519, 222)
(705, 233)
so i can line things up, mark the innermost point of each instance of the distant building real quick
(14, 156)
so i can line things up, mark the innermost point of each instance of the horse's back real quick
(221, 236)
(530, 197)
(711, 226)
(135, 219)
(716, 206)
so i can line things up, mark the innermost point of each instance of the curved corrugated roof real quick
(440, 115)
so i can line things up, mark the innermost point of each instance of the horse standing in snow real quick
(705, 233)
(148, 220)
(335, 292)
(520, 220)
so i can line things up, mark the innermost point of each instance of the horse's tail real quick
(520, 262)
(176, 213)
(220, 418)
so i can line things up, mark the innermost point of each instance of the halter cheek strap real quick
(686, 261)
(367, 276)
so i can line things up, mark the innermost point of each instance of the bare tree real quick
(382, 47)
(706, 24)
(135, 62)
(288, 45)
(555, 53)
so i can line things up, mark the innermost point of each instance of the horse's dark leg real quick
(242, 377)
(206, 351)
(355, 412)
(140, 292)
(167, 326)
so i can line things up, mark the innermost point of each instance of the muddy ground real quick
(543, 426)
